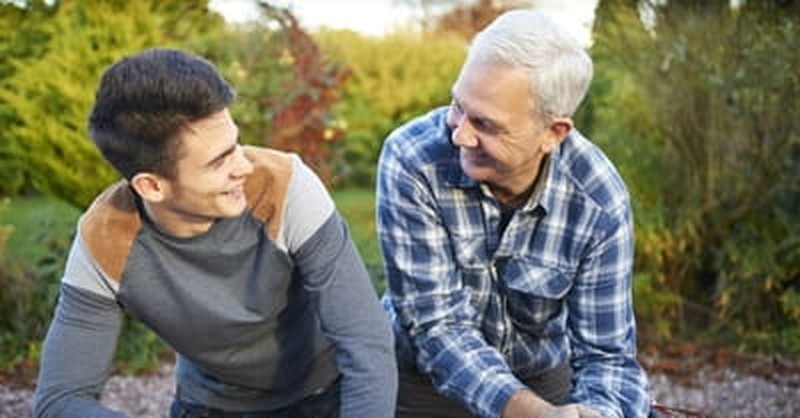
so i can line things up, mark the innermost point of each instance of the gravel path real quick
(727, 392)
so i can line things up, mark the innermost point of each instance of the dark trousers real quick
(417, 398)
(320, 405)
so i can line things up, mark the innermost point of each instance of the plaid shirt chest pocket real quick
(536, 297)
(472, 260)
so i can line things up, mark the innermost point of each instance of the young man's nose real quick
(243, 166)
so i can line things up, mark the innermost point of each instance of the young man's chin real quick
(237, 210)
(229, 210)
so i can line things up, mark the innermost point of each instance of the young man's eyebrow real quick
(224, 154)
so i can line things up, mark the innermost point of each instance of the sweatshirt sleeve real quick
(79, 346)
(346, 303)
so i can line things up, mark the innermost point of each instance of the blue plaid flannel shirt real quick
(477, 311)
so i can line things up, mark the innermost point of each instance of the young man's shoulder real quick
(109, 227)
(267, 187)
(268, 159)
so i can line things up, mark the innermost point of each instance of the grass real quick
(358, 208)
(35, 233)
(35, 223)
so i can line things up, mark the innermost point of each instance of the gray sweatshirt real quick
(262, 310)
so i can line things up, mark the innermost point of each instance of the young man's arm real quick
(346, 302)
(80, 344)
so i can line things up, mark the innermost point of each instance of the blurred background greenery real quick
(698, 104)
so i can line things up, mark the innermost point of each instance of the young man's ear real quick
(150, 187)
(557, 131)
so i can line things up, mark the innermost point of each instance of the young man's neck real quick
(174, 223)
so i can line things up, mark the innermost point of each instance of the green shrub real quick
(21, 39)
(35, 235)
(394, 78)
(46, 93)
(32, 250)
(702, 122)
(286, 87)
(759, 284)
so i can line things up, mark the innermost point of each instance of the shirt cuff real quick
(491, 398)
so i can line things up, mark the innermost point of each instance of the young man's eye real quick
(219, 163)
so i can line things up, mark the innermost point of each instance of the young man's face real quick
(211, 170)
(501, 142)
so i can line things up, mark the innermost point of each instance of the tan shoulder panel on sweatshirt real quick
(109, 227)
(267, 186)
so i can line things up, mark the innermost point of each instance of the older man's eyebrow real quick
(478, 119)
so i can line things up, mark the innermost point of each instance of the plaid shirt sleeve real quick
(427, 295)
(602, 327)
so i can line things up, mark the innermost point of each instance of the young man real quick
(508, 242)
(235, 256)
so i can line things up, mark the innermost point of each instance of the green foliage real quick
(285, 91)
(36, 226)
(46, 92)
(703, 122)
(251, 74)
(393, 79)
(759, 286)
(655, 308)
(35, 234)
(300, 118)
(33, 242)
(21, 38)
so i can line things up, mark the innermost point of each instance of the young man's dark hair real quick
(143, 103)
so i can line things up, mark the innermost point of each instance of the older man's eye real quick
(456, 107)
(483, 125)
